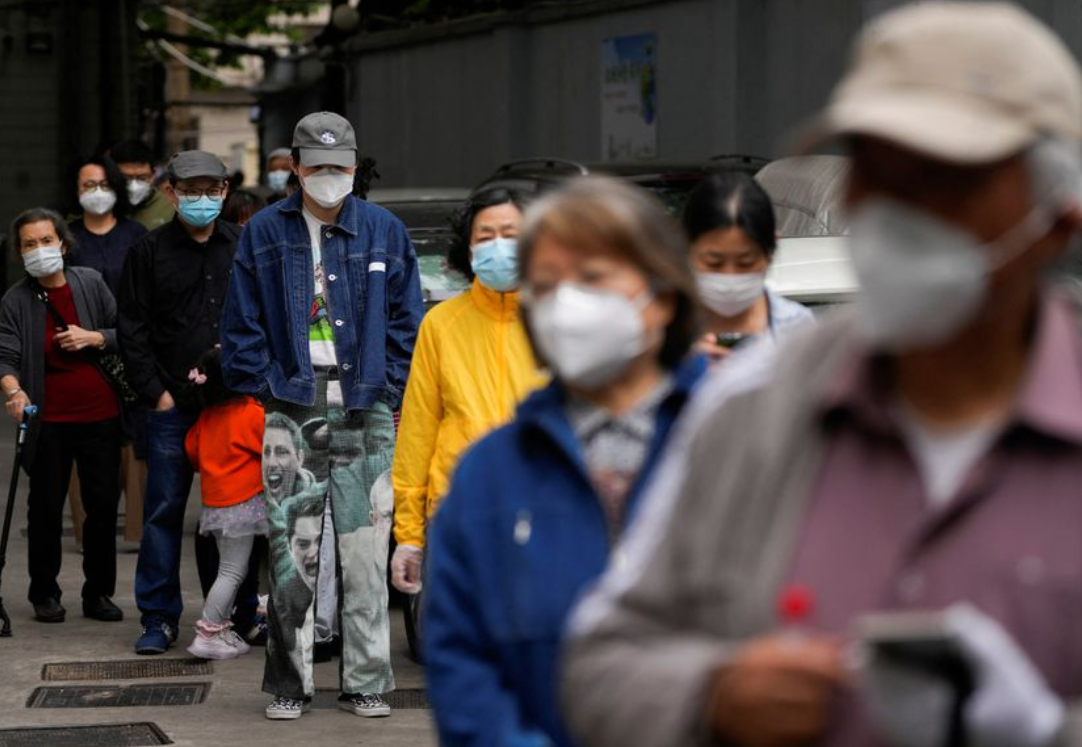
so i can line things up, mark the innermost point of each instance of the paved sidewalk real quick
(232, 714)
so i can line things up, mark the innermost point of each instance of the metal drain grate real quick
(405, 699)
(118, 696)
(108, 735)
(130, 669)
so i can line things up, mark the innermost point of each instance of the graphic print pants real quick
(310, 453)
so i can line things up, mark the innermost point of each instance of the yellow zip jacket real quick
(472, 365)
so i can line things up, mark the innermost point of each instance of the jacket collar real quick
(545, 410)
(349, 216)
(503, 307)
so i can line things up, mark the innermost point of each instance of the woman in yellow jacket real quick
(472, 365)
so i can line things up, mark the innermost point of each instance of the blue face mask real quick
(199, 213)
(278, 179)
(495, 263)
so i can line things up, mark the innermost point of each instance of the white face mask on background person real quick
(728, 294)
(922, 279)
(138, 191)
(328, 187)
(98, 201)
(589, 336)
(43, 261)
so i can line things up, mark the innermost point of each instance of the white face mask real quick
(588, 336)
(328, 187)
(43, 261)
(138, 191)
(923, 280)
(727, 294)
(98, 201)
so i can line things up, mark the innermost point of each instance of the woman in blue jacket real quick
(536, 508)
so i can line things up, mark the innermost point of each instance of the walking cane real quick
(20, 437)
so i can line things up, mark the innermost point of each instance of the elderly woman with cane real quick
(55, 323)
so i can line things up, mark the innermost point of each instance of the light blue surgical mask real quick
(278, 179)
(200, 213)
(495, 263)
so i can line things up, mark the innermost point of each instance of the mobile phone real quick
(730, 340)
(923, 642)
(920, 640)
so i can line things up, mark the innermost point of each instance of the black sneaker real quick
(102, 608)
(49, 611)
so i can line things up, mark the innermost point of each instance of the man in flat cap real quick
(320, 321)
(169, 311)
(918, 457)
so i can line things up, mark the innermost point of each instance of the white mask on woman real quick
(98, 201)
(729, 294)
(589, 336)
(43, 261)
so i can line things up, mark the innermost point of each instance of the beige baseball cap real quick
(964, 82)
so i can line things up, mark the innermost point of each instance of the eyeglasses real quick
(214, 193)
(87, 186)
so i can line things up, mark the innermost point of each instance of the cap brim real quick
(321, 157)
(931, 123)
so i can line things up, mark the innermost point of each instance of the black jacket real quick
(22, 334)
(170, 306)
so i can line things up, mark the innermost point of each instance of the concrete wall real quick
(445, 106)
(733, 75)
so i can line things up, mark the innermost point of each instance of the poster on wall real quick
(629, 97)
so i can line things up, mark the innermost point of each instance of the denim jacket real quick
(373, 294)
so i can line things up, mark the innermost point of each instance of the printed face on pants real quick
(282, 459)
(304, 547)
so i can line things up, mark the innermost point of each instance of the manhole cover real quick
(110, 735)
(118, 696)
(404, 699)
(131, 669)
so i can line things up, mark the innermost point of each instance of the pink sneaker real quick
(217, 642)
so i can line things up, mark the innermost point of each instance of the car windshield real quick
(807, 194)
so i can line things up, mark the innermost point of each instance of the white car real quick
(812, 264)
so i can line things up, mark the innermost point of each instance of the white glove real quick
(1012, 705)
(406, 568)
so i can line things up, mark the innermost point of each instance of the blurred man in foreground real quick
(921, 453)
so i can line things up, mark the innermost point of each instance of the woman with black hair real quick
(730, 222)
(472, 365)
(104, 233)
(241, 205)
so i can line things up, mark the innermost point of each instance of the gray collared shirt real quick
(1007, 540)
(615, 446)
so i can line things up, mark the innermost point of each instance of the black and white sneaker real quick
(286, 709)
(368, 705)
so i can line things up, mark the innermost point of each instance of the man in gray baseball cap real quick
(169, 308)
(918, 456)
(359, 312)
